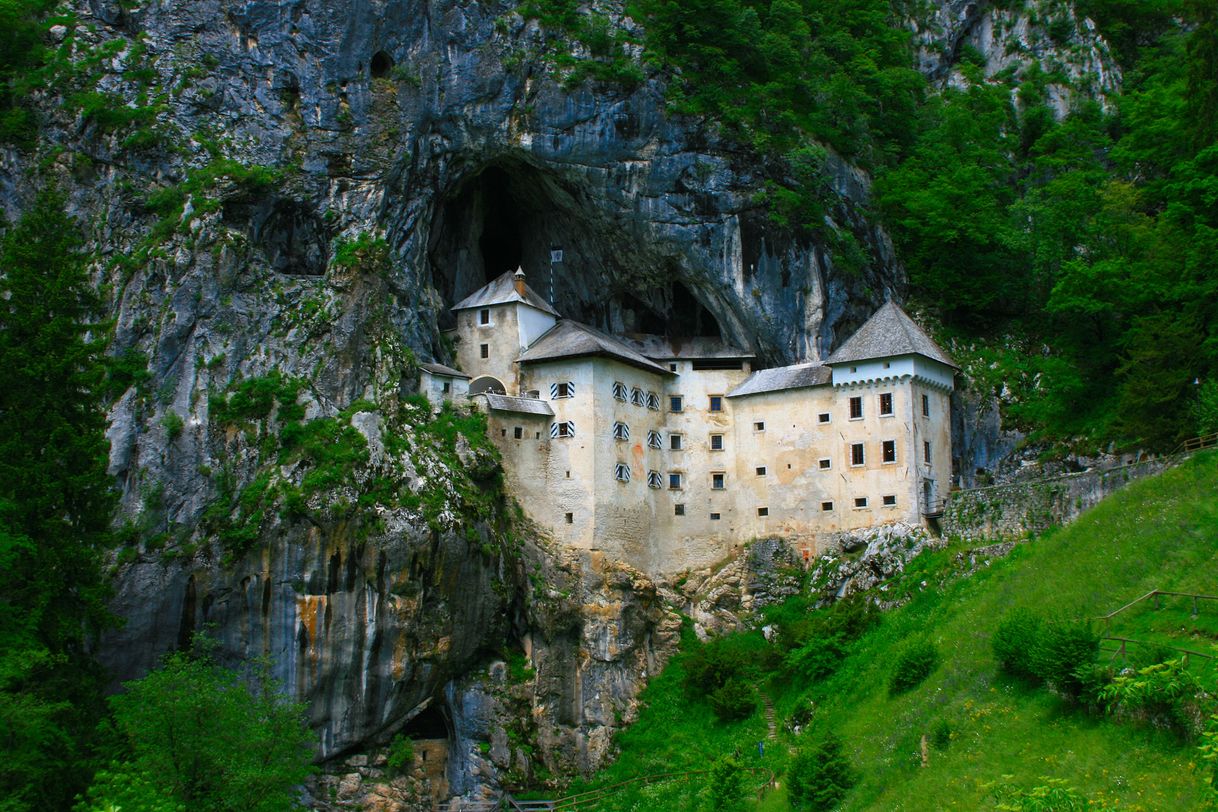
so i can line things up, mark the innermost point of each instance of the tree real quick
(726, 788)
(204, 738)
(819, 777)
(55, 508)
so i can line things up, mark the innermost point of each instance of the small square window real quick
(537, 435)
(926, 452)
(570, 518)
(763, 511)
(887, 365)
(676, 403)
(826, 506)
(890, 500)
(672, 367)
(718, 481)
(856, 408)
(886, 404)
(760, 470)
(654, 480)
(484, 316)
(562, 389)
(759, 425)
(446, 388)
(716, 442)
(653, 401)
(503, 432)
(824, 463)
(714, 517)
(854, 369)
(485, 350)
(621, 472)
(654, 440)
(637, 397)
(857, 457)
(678, 510)
(716, 403)
(518, 432)
(621, 431)
(860, 501)
(926, 405)
(674, 442)
(888, 451)
(620, 392)
(823, 417)
(674, 481)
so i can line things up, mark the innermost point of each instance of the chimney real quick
(519, 277)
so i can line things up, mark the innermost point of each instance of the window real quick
(760, 470)
(926, 405)
(653, 401)
(718, 481)
(926, 451)
(888, 451)
(678, 510)
(824, 463)
(676, 403)
(759, 425)
(570, 517)
(716, 442)
(856, 454)
(619, 391)
(653, 440)
(654, 480)
(621, 472)
(562, 389)
(672, 368)
(674, 442)
(886, 404)
(856, 408)
(637, 397)
(860, 501)
(503, 432)
(621, 431)
(565, 429)
(484, 316)
(518, 432)
(535, 394)
(485, 350)
(674, 481)
(823, 417)
(826, 506)
(446, 388)
(714, 517)
(763, 511)
(890, 500)
(716, 403)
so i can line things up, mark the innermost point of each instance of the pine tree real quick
(55, 508)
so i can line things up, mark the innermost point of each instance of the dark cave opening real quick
(429, 724)
(381, 64)
(499, 242)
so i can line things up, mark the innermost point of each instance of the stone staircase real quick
(771, 726)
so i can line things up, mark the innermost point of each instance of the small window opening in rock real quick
(382, 63)
(570, 518)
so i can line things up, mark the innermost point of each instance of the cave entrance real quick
(429, 735)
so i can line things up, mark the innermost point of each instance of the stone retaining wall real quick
(1031, 507)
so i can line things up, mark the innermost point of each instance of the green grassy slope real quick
(1158, 533)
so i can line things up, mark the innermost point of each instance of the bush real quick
(1015, 642)
(1166, 694)
(1063, 654)
(735, 700)
(401, 755)
(913, 665)
(816, 659)
(820, 777)
(711, 666)
(726, 788)
(1052, 796)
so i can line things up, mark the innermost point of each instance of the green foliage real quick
(400, 758)
(125, 787)
(210, 742)
(725, 789)
(367, 254)
(55, 508)
(913, 665)
(819, 777)
(711, 666)
(1205, 408)
(1015, 640)
(736, 699)
(1165, 693)
(1055, 795)
(173, 424)
(1208, 752)
(1060, 654)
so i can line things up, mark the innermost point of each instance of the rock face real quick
(238, 221)
(866, 559)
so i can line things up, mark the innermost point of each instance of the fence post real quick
(1157, 600)
(1123, 650)
(1194, 605)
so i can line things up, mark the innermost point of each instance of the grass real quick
(1159, 533)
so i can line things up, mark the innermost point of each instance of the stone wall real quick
(1031, 507)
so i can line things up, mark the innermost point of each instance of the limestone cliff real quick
(289, 196)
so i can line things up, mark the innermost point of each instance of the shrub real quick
(726, 788)
(820, 777)
(1062, 654)
(735, 700)
(1052, 796)
(913, 665)
(941, 736)
(1015, 642)
(1166, 694)
(173, 423)
(709, 667)
(401, 755)
(816, 659)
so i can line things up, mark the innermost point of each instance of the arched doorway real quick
(486, 384)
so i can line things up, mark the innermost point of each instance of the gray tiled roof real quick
(799, 376)
(502, 290)
(569, 339)
(440, 369)
(506, 403)
(889, 332)
(666, 349)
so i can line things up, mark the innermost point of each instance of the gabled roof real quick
(506, 403)
(440, 369)
(889, 332)
(569, 339)
(799, 376)
(502, 290)
(664, 348)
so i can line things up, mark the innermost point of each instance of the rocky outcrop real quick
(867, 560)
